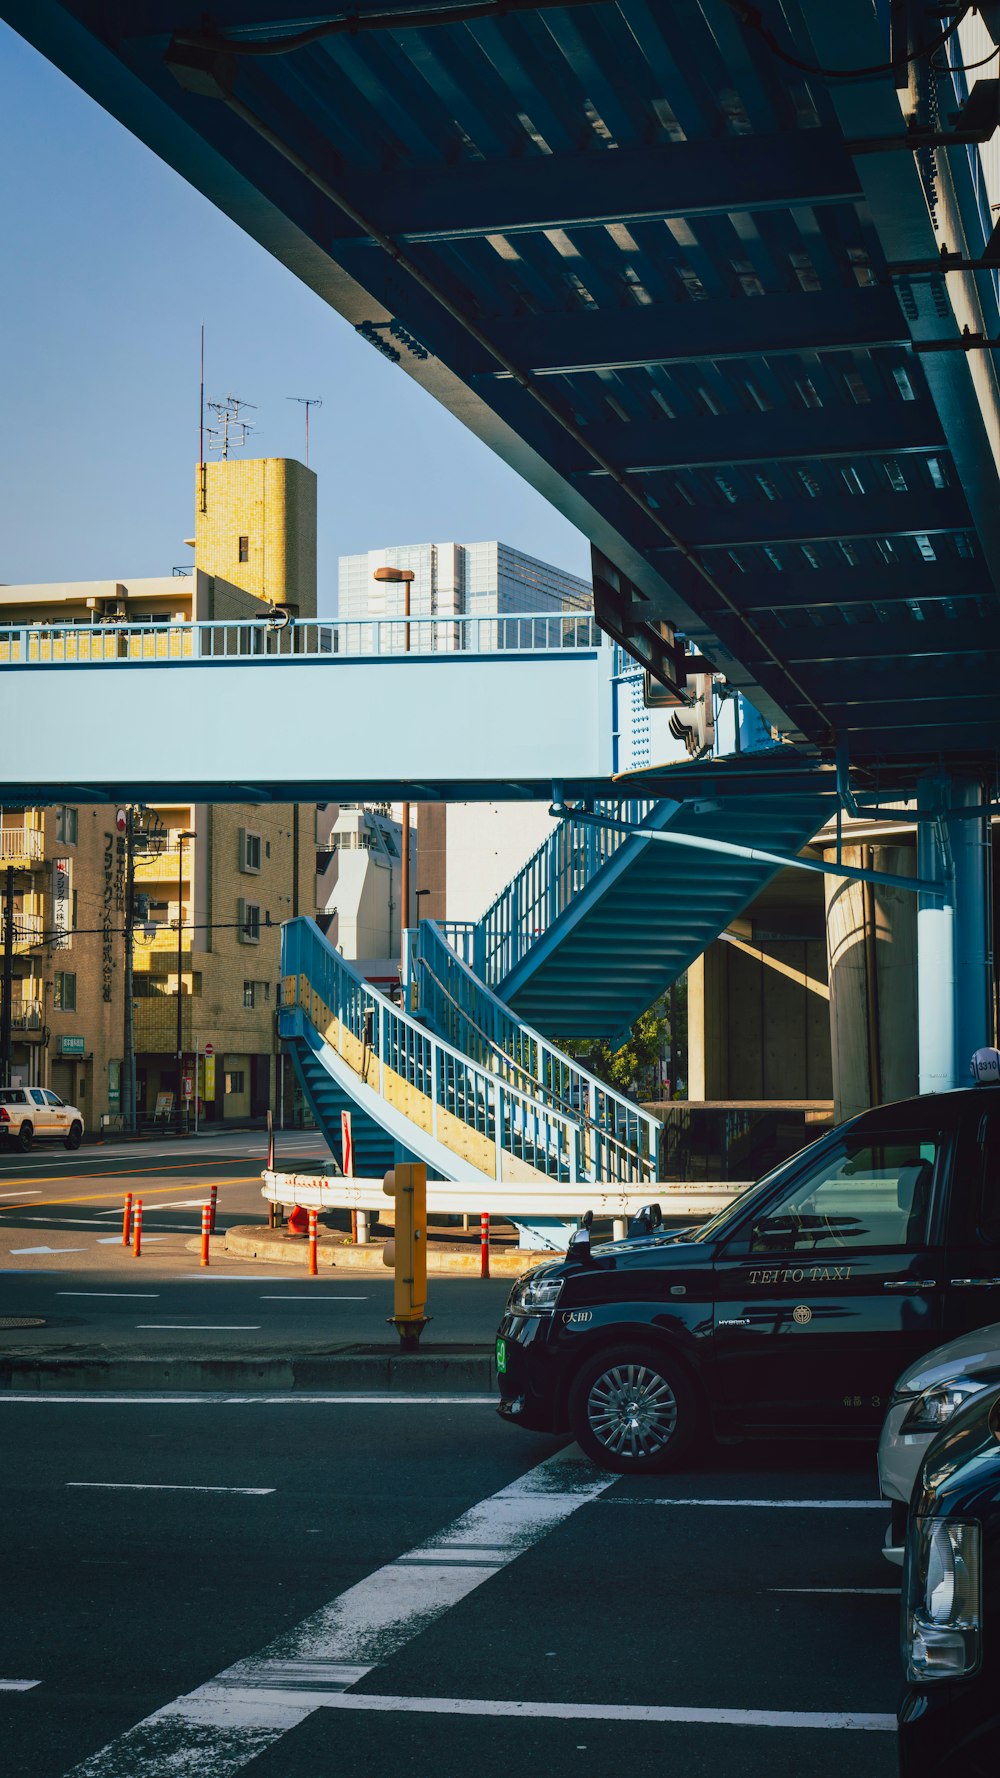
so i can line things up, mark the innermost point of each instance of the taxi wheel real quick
(633, 1410)
(75, 1135)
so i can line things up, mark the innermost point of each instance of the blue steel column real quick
(935, 944)
(972, 935)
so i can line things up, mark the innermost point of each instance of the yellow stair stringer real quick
(458, 1137)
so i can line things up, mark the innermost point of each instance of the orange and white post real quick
(137, 1228)
(313, 1237)
(206, 1230)
(213, 1207)
(127, 1220)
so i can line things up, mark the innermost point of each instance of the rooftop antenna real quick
(230, 431)
(306, 401)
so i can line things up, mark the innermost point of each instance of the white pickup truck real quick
(27, 1113)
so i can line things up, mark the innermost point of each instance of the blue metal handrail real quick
(565, 862)
(389, 1050)
(620, 1140)
(262, 638)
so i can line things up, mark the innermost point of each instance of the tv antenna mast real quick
(306, 401)
(230, 431)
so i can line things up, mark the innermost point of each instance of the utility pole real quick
(7, 1010)
(128, 1065)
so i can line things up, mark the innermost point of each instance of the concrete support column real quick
(935, 943)
(973, 959)
(871, 940)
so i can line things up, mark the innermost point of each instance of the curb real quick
(419, 1373)
(251, 1241)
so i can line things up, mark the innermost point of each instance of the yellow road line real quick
(96, 1197)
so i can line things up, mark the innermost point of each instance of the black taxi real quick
(792, 1311)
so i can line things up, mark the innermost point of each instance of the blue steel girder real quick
(633, 249)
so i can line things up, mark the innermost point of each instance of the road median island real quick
(449, 1369)
(334, 1251)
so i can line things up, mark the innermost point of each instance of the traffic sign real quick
(209, 1049)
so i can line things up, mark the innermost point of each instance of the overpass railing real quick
(543, 888)
(620, 1141)
(263, 638)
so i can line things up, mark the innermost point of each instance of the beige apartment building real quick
(220, 879)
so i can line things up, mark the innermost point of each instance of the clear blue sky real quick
(111, 264)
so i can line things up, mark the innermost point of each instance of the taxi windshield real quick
(720, 1223)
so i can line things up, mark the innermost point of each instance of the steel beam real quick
(893, 583)
(940, 640)
(566, 344)
(730, 440)
(829, 518)
(634, 185)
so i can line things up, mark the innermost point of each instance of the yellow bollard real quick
(407, 1253)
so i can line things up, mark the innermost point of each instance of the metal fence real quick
(266, 637)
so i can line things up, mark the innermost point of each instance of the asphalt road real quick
(390, 1614)
(62, 1262)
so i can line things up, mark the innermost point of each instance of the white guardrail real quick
(325, 1192)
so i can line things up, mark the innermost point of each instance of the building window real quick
(256, 994)
(66, 825)
(64, 991)
(250, 851)
(248, 919)
(244, 549)
(235, 1079)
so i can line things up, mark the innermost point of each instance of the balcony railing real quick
(26, 1015)
(21, 845)
(29, 930)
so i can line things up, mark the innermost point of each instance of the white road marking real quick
(861, 1592)
(116, 1240)
(198, 1327)
(182, 1204)
(314, 1299)
(3, 1199)
(76, 1222)
(626, 1713)
(26, 1250)
(213, 1397)
(819, 1505)
(169, 1487)
(18, 1685)
(148, 1296)
(222, 1726)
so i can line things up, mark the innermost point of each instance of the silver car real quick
(923, 1401)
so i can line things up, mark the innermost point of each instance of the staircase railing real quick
(453, 1097)
(621, 1141)
(543, 888)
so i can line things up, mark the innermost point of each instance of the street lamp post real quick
(405, 578)
(184, 834)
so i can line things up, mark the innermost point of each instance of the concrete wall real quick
(758, 1001)
(487, 843)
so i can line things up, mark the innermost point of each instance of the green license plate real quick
(501, 1356)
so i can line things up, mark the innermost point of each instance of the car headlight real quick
(936, 1405)
(535, 1294)
(942, 1615)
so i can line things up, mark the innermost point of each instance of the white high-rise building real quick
(451, 580)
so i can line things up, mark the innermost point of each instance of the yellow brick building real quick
(224, 891)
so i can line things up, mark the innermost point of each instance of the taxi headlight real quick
(936, 1405)
(535, 1295)
(942, 1617)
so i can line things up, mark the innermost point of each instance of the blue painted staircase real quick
(599, 922)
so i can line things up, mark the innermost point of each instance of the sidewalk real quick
(452, 1370)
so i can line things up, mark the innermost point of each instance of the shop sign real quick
(72, 1046)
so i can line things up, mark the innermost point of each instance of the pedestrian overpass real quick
(723, 283)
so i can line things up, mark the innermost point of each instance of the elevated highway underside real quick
(684, 282)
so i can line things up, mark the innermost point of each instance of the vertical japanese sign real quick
(108, 916)
(62, 903)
